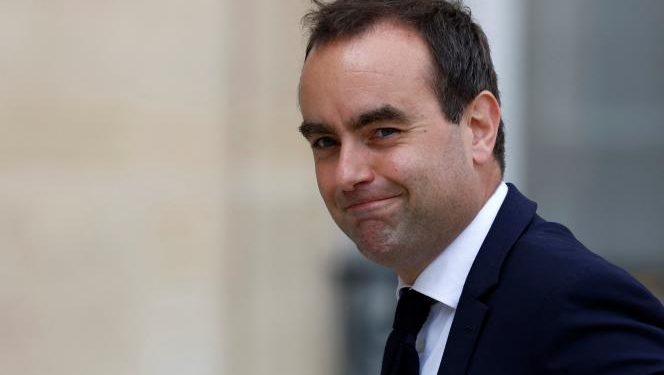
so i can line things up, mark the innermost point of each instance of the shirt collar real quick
(443, 279)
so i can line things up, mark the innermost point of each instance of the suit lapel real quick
(514, 215)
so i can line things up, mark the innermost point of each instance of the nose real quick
(354, 166)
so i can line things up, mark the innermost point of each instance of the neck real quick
(410, 272)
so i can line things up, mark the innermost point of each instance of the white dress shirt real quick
(443, 281)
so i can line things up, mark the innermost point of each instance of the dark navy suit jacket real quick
(537, 302)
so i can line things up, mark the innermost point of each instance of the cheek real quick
(425, 169)
(408, 165)
(326, 183)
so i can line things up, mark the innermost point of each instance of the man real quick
(401, 107)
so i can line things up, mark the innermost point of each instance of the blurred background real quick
(159, 212)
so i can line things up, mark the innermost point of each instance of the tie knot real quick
(412, 311)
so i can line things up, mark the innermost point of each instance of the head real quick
(460, 53)
(400, 105)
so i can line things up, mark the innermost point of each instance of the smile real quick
(369, 206)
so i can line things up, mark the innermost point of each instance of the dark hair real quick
(459, 47)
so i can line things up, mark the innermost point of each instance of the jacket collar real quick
(513, 217)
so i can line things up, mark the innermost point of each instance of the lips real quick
(367, 202)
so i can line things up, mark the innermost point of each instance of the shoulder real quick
(584, 306)
(549, 253)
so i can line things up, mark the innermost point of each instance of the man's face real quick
(395, 174)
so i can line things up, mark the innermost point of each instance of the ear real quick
(483, 118)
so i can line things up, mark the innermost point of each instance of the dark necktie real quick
(400, 357)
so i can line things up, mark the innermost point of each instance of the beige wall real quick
(158, 212)
(277, 226)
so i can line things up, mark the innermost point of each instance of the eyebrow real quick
(307, 129)
(381, 114)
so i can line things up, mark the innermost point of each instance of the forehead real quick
(388, 54)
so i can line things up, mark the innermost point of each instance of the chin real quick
(381, 252)
(377, 241)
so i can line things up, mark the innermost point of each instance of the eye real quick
(385, 132)
(323, 143)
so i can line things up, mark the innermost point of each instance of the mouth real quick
(371, 204)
